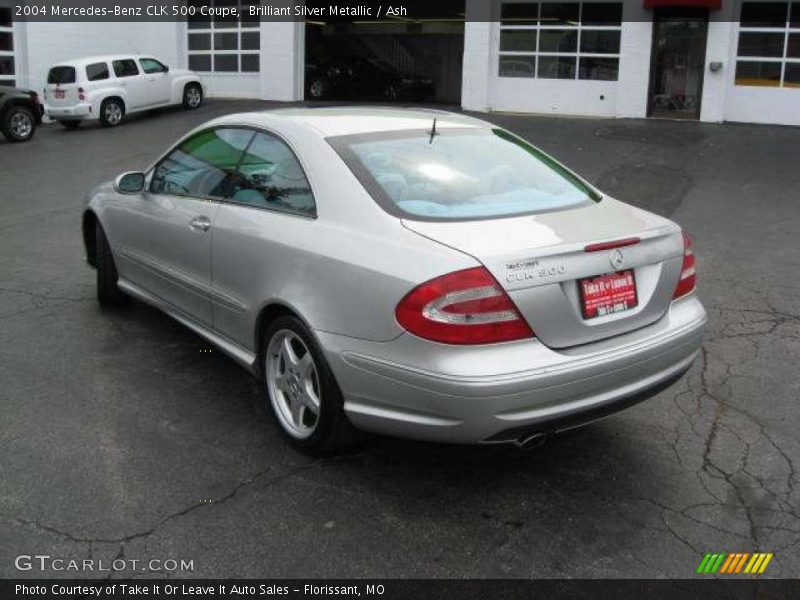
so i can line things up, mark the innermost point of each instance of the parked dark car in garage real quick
(359, 78)
(20, 112)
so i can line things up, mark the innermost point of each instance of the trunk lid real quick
(541, 259)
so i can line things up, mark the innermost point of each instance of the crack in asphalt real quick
(176, 515)
(710, 412)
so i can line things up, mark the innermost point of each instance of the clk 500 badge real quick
(525, 274)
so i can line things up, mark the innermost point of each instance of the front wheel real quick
(301, 390)
(192, 96)
(108, 294)
(18, 124)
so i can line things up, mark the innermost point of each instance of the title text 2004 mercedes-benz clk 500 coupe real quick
(409, 272)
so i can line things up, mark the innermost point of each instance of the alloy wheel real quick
(293, 384)
(113, 113)
(193, 97)
(21, 125)
(316, 89)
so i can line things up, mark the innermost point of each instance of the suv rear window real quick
(125, 67)
(61, 75)
(97, 71)
(459, 174)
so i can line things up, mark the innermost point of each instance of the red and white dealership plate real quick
(608, 294)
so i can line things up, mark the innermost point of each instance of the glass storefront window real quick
(549, 40)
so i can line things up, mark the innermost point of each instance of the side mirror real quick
(166, 69)
(130, 183)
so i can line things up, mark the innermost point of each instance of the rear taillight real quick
(688, 274)
(465, 307)
(81, 93)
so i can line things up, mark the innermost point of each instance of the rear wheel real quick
(108, 294)
(301, 390)
(112, 111)
(18, 124)
(192, 96)
(71, 125)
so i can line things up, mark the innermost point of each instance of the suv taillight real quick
(465, 307)
(81, 93)
(688, 274)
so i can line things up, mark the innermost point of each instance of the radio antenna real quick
(433, 131)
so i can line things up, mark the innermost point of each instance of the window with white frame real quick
(7, 66)
(768, 53)
(224, 44)
(560, 40)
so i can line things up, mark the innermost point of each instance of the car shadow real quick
(582, 454)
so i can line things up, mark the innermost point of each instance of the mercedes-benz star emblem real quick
(617, 259)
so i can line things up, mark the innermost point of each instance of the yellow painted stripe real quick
(751, 563)
(764, 564)
(757, 563)
(741, 562)
(727, 563)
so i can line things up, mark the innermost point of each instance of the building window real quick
(560, 40)
(224, 44)
(7, 64)
(768, 53)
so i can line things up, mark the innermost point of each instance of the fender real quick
(179, 80)
(96, 98)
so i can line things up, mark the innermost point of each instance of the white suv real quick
(109, 87)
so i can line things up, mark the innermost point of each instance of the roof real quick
(333, 121)
(86, 60)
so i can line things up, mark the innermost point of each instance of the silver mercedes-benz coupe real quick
(408, 272)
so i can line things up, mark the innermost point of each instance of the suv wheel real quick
(301, 390)
(18, 124)
(112, 110)
(192, 96)
(108, 294)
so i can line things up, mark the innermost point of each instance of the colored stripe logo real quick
(735, 563)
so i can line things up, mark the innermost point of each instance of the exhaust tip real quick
(531, 441)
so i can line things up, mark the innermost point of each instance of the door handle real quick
(201, 223)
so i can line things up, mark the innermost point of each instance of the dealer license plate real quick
(608, 294)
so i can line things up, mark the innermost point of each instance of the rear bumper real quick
(69, 113)
(506, 392)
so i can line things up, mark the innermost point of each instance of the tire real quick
(108, 294)
(18, 124)
(71, 125)
(319, 426)
(192, 96)
(317, 89)
(112, 111)
(392, 92)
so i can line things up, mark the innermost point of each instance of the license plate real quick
(608, 294)
(59, 94)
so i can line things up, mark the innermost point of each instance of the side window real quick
(151, 65)
(204, 165)
(125, 67)
(273, 178)
(97, 71)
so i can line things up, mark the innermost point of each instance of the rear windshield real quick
(459, 174)
(61, 75)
